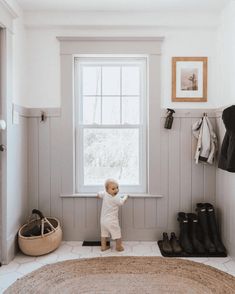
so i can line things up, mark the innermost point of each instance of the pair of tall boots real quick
(210, 233)
(188, 237)
(199, 233)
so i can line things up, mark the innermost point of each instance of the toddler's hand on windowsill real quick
(125, 198)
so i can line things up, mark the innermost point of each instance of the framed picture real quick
(189, 79)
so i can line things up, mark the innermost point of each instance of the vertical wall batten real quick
(49, 151)
(91, 213)
(33, 168)
(55, 167)
(162, 208)
(179, 166)
(185, 165)
(197, 175)
(138, 206)
(68, 219)
(44, 167)
(99, 205)
(127, 214)
(150, 213)
(192, 159)
(174, 180)
(80, 213)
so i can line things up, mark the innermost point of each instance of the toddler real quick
(109, 214)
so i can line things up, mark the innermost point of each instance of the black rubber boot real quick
(202, 218)
(184, 238)
(175, 244)
(214, 232)
(166, 246)
(193, 229)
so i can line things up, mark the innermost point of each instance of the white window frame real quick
(142, 62)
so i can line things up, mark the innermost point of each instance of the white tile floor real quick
(23, 264)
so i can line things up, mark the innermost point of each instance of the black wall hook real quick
(43, 116)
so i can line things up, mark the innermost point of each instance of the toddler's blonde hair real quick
(110, 181)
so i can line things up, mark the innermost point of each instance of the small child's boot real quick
(104, 244)
(119, 246)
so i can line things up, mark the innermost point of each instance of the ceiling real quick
(124, 5)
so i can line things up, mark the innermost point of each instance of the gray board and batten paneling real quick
(181, 183)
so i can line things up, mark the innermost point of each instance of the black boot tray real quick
(184, 254)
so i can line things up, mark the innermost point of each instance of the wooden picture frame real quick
(189, 79)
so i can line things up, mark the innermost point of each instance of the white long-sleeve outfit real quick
(207, 140)
(109, 215)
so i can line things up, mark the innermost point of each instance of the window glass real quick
(91, 110)
(130, 80)
(131, 110)
(91, 80)
(111, 110)
(111, 152)
(110, 80)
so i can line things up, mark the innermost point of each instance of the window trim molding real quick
(70, 47)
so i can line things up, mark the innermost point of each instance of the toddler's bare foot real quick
(104, 245)
(119, 246)
(105, 248)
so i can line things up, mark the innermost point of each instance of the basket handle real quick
(38, 212)
(52, 227)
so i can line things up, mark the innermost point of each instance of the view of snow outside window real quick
(111, 153)
(110, 121)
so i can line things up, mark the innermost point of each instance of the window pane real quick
(111, 153)
(91, 110)
(130, 110)
(91, 83)
(111, 110)
(110, 80)
(130, 80)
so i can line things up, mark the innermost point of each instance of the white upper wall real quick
(186, 34)
(74, 19)
(191, 35)
(124, 5)
(43, 60)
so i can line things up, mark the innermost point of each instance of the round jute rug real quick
(125, 275)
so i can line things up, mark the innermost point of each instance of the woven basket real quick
(43, 244)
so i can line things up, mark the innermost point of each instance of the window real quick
(111, 139)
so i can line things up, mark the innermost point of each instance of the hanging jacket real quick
(207, 140)
(227, 153)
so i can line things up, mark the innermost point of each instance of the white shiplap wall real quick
(182, 182)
